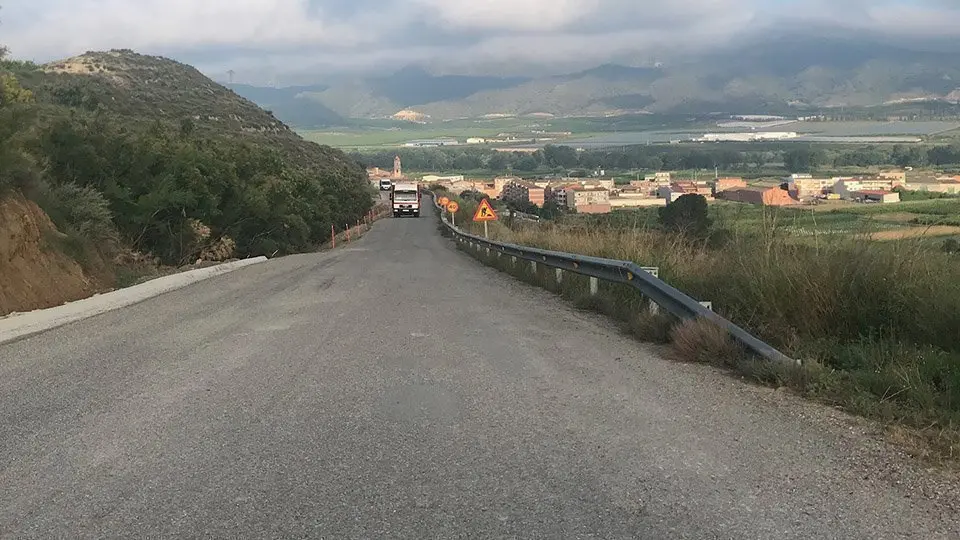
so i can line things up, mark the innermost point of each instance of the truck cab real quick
(405, 199)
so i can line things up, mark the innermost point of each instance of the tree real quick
(466, 162)
(560, 156)
(497, 161)
(688, 215)
(802, 159)
(550, 210)
(526, 163)
(908, 156)
(10, 89)
(472, 194)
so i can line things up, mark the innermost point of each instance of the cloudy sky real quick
(279, 38)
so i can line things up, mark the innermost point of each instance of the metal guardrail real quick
(625, 272)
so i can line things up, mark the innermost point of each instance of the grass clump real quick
(701, 341)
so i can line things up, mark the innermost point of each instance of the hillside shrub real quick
(145, 163)
(83, 210)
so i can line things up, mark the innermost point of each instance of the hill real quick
(292, 104)
(141, 158)
(790, 73)
(408, 88)
(141, 88)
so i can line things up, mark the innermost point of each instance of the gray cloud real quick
(290, 36)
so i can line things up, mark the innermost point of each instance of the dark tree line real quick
(792, 157)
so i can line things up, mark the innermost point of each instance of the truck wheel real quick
(416, 214)
(396, 214)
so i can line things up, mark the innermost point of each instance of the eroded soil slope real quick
(34, 273)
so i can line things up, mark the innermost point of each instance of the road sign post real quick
(452, 207)
(485, 213)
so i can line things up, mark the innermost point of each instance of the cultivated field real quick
(934, 218)
(374, 134)
(593, 132)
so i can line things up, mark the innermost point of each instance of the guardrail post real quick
(559, 276)
(655, 272)
(594, 286)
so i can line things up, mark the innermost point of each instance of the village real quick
(600, 194)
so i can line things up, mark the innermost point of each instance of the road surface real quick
(395, 388)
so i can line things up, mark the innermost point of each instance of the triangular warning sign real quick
(485, 212)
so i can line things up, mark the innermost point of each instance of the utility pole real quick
(230, 74)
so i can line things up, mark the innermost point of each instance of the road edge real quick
(21, 325)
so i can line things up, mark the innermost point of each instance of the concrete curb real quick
(23, 324)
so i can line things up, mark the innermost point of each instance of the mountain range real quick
(794, 72)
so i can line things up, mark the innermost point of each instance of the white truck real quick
(405, 198)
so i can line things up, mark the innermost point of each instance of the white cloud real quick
(65, 27)
(529, 15)
(284, 35)
(913, 19)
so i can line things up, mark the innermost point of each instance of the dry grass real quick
(896, 217)
(653, 328)
(701, 341)
(916, 232)
(877, 324)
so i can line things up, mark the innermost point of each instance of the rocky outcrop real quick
(34, 272)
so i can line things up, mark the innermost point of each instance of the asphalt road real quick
(394, 388)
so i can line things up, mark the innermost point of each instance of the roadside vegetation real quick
(876, 324)
(175, 171)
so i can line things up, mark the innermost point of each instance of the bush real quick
(687, 215)
(950, 245)
(81, 209)
(18, 167)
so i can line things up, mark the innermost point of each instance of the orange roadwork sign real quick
(485, 212)
(452, 207)
(443, 201)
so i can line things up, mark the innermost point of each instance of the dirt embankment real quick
(34, 273)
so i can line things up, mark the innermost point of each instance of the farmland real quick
(934, 219)
(387, 133)
(627, 130)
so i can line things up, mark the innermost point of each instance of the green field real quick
(626, 130)
(369, 134)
